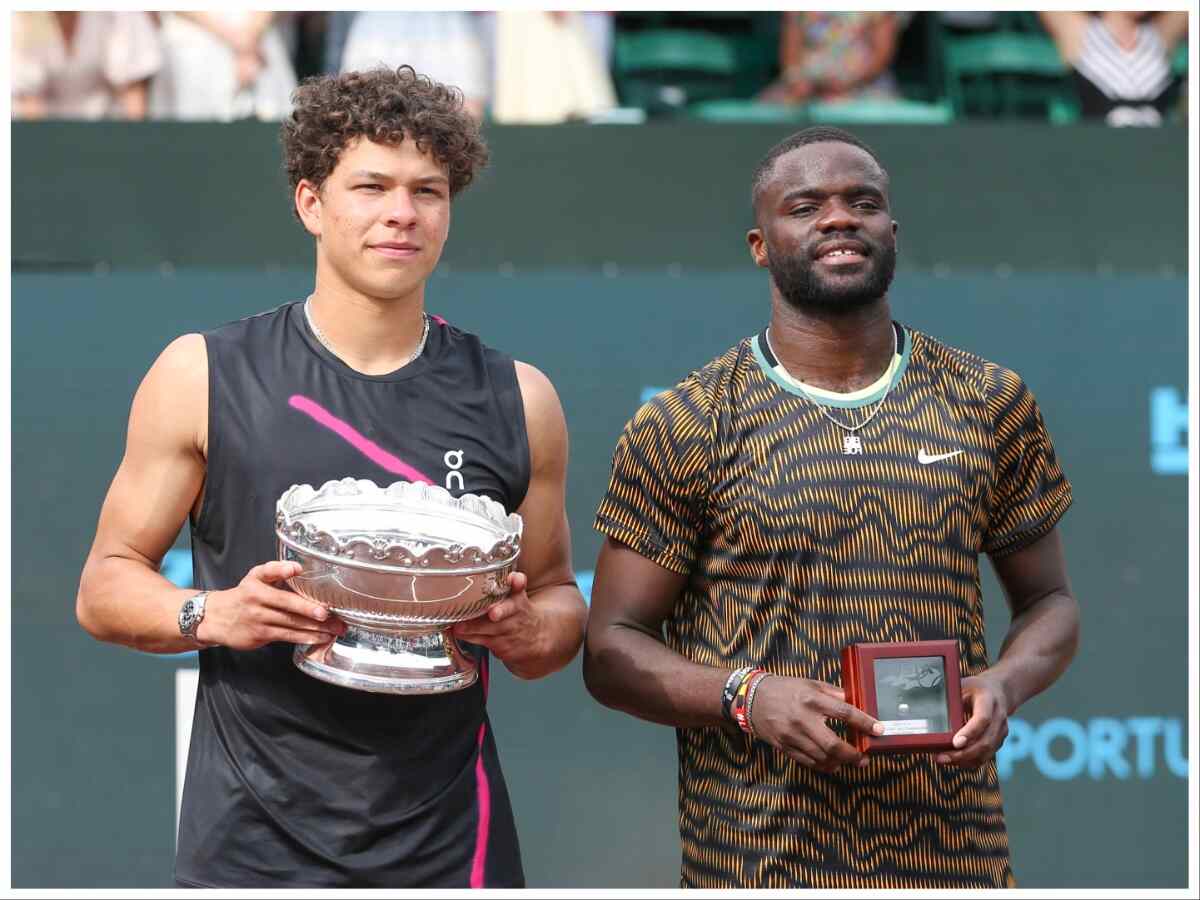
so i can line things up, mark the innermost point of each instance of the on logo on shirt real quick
(454, 462)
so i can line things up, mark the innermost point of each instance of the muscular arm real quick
(627, 666)
(538, 629)
(122, 597)
(1044, 632)
(1041, 641)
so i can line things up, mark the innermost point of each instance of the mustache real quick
(861, 245)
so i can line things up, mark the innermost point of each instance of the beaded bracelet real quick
(730, 691)
(739, 700)
(751, 691)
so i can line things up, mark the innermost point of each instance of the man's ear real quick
(308, 206)
(758, 246)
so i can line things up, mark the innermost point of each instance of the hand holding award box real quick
(912, 687)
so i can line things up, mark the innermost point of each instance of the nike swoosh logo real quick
(925, 459)
(359, 442)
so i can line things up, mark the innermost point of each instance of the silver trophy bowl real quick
(400, 565)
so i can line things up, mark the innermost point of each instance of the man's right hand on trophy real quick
(514, 629)
(791, 715)
(257, 612)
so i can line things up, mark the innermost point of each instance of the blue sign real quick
(584, 580)
(1100, 748)
(177, 567)
(1168, 431)
(649, 393)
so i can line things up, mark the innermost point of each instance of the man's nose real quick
(838, 216)
(402, 212)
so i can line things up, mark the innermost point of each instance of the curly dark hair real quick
(386, 106)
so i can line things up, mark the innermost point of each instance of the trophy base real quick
(411, 661)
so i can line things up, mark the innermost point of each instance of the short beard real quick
(802, 287)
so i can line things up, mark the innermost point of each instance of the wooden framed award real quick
(912, 687)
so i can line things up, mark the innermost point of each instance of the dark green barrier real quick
(1021, 196)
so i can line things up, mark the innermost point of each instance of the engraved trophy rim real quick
(401, 554)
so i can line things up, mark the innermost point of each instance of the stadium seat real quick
(1064, 110)
(668, 69)
(863, 112)
(1004, 72)
(741, 111)
(881, 112)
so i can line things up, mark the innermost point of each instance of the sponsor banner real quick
(1137, 747)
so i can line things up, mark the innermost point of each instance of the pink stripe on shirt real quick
(485, 795)
(359, 442)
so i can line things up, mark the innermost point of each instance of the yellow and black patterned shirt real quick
(794, 548)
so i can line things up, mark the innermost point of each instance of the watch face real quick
(188, 620)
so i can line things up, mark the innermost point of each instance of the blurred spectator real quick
(834, 56)
(446, 46)
(223, 65)
(82, 65)
(337, 27)
(1120, 61)
(599, 28)
(551, 66)
(311, 32)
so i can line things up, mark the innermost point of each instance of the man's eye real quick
(802, 210)
(370, 187)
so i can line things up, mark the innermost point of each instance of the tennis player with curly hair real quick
(293, 781)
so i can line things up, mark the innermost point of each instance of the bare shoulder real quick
(544, 420)
(542, 407)
(534, 384)
(172, 401)
(165, 453)
(182, 369)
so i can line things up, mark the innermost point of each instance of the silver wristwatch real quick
(191, 614)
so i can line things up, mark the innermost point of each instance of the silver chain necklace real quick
(328, 346)
(851, 443)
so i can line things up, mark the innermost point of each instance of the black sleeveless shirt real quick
(293, 782)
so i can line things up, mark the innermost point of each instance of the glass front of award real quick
(910, 695)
